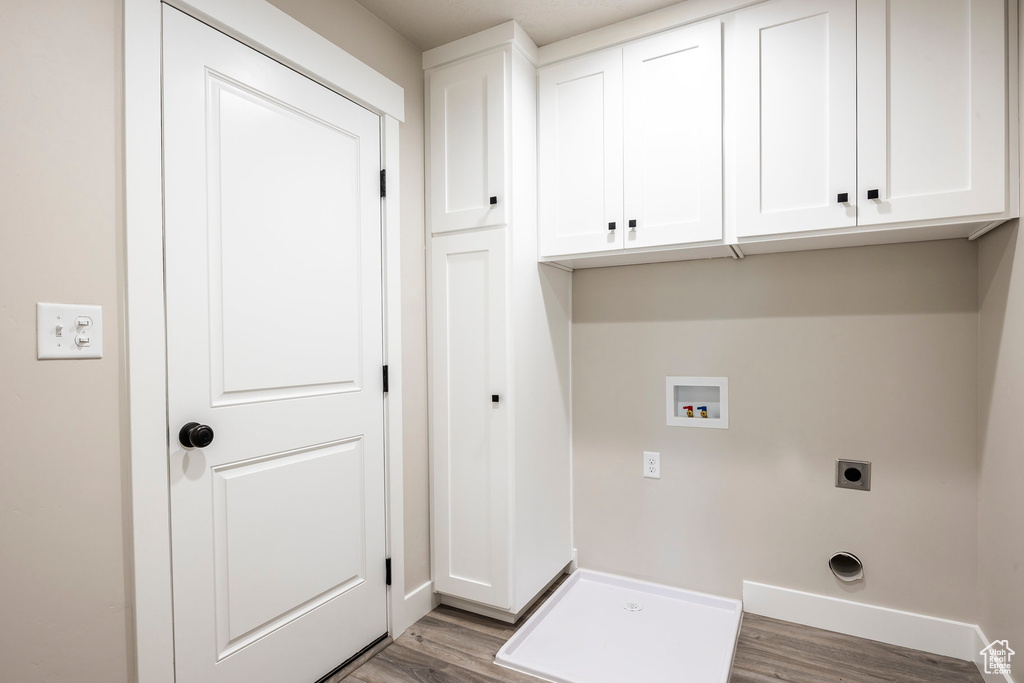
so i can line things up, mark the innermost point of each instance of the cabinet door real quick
(471, 473)
(673, 137)
(932, 108)
(580, 155)
(796, 116)
(467, 144)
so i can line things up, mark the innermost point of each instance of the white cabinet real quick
(467, 150)
(796, 116)
(469, 403)
(843, 122)
(672, 151)
(580, 155)
(931, 83)
(631, 145)
(898, 107)
(499, 349)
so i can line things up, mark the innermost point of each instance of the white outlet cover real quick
(652, 465)
(69, 331)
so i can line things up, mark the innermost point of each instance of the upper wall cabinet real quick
(931, 84)
(796, 116)
(580, 155)
(788, 124)
(631, 145)
(672, 130)
(467, 151)
(867, 112)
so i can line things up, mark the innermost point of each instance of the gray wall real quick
(863, 353)
(1001, 415)
(1001, 431)
(62, 593)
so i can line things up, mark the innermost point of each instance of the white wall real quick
(863, 353)
(369, 40)
(62, 573)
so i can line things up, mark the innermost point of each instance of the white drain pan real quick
(602, 628)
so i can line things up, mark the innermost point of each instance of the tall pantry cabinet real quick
(499, 334)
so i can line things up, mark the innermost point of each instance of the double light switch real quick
(69, 331)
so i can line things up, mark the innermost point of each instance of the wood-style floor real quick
(452, 646)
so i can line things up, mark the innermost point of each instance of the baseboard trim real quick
(482, 610)
(500, 614)
(419, 602)
(980, 643)
(895, 627)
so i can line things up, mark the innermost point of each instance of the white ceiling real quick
(429, 23)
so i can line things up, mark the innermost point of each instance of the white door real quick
(471, 476)
(673, 137)
(796, 116)
(273, 276)
(931, 104)
(580, 155)
(467, 144)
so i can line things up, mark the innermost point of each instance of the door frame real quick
(270, 31)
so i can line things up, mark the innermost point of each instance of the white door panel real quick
(673, 137)
(467, 153)
(931, 108)
(796, 114)
(580, 155)
(258, 506)
(272, 167)
(274, 339)
(471, 472)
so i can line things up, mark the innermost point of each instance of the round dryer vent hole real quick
(632, 606)
(846, 567)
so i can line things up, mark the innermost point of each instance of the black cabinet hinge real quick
(383, 183)
(385, 379)
(387, 571)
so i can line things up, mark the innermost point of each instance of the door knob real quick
(195, 435)
(872, 194)
(611, 226)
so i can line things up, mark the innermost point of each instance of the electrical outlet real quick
(853, 474)
(652, 465)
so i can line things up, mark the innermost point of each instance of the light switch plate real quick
(67, 331)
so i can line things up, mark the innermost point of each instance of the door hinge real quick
(383, 183)
(385, 379)
(387, 571)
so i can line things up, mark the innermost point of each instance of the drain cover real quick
(632, 606)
